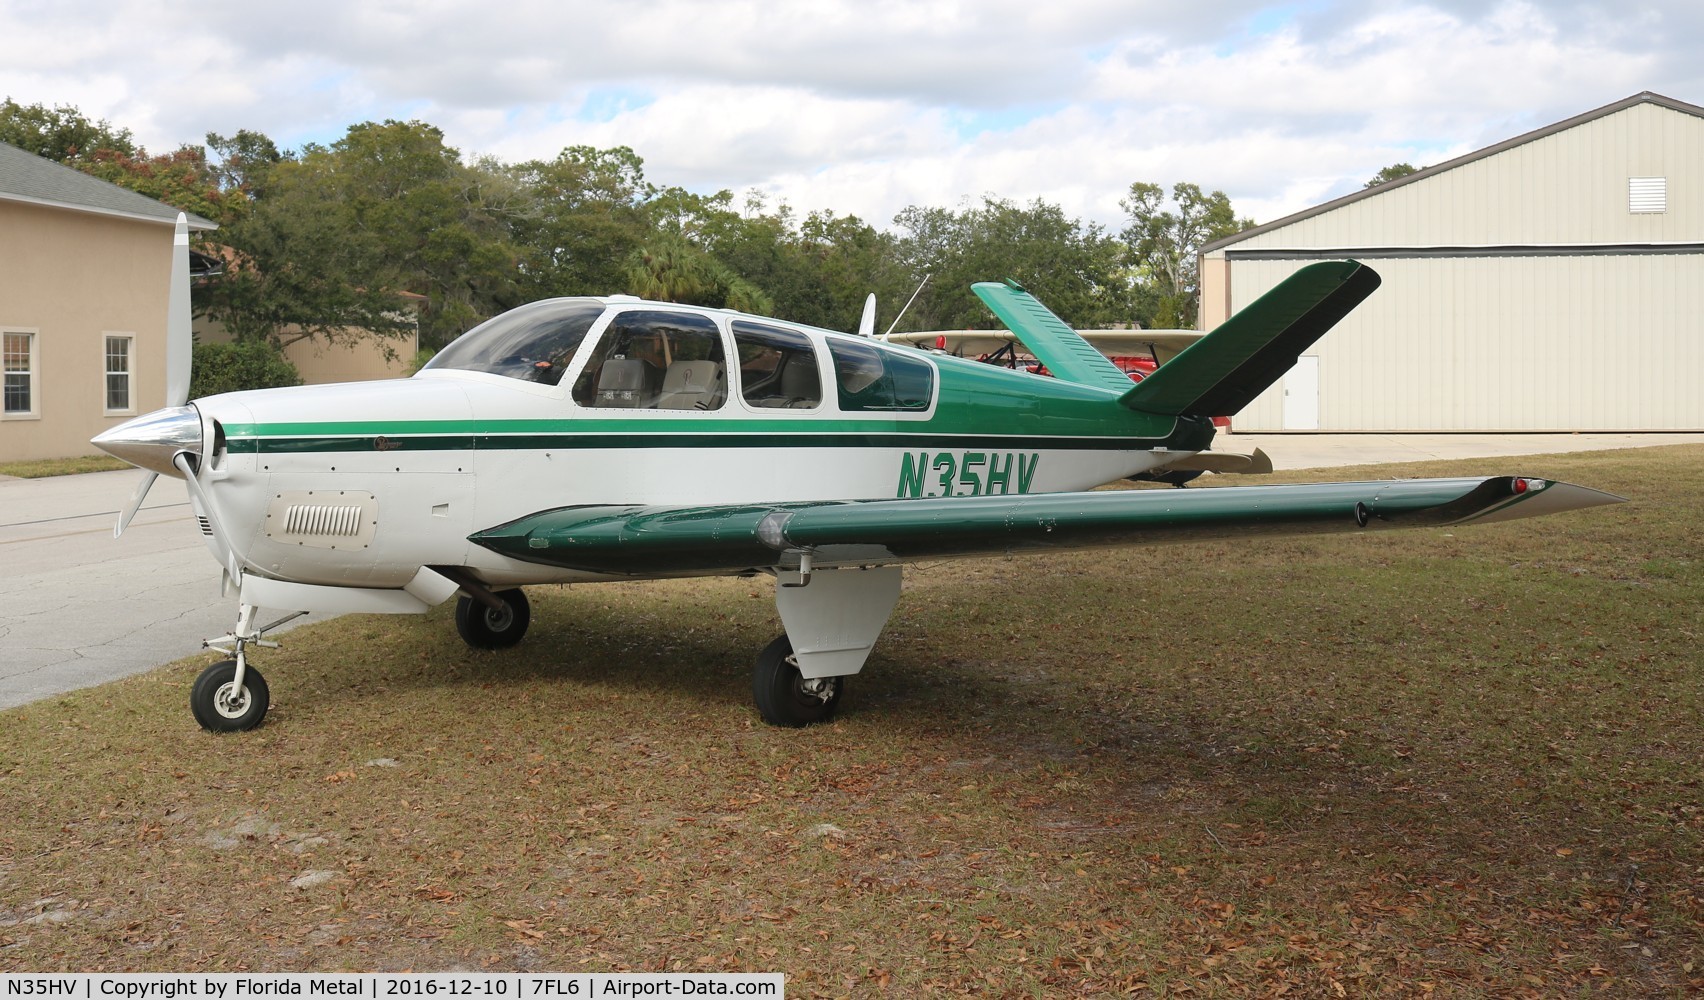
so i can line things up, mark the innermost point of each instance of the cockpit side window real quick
(870, 378)
(778, 367)
(652, 359)
(535, 342)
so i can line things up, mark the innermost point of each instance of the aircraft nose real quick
(151, 440)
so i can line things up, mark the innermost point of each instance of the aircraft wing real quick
(641, 541)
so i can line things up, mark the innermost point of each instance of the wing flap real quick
(643, 541)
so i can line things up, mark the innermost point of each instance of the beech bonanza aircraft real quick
(577, 440)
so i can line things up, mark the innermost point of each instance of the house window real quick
(118, 399)
(18, 367)
(1647, 195)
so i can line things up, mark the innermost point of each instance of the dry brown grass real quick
(1454, 761)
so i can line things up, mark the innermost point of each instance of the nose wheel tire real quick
(484, 627)
(784, 696)
(221, 707)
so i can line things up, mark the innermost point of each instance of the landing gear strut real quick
(784, 696)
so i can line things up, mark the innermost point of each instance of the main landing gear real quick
(493, 620)
(784, 697)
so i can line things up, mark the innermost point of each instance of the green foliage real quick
(1165, 246)
(382, 231)
(62, 134)
(671, 269)
(242, 364)
(578, 220)
(1073, 267)
(245, 162)
(421, 357)
(1393, 172)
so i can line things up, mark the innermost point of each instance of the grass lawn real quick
(1453, 762)
(41, 468)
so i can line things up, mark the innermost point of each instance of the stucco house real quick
(84, 273)
(84, 269)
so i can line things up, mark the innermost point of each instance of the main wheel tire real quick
(487, 628)
(784, 697)
(221, 708)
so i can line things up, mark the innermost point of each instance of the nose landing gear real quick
(231, 696)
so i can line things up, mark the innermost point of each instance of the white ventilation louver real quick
(1647, 195)
(322, 519)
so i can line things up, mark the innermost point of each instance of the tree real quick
(246, 160)
(669, 268)
(578, 220)
(1165, 246)
(180, 179)
(1072, 267)
(382, 230)
(62, 134)
(1391, 173)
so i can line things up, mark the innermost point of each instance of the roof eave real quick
(196, 222)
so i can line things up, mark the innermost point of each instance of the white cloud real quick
(865, 107)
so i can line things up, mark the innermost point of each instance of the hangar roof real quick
(1646, 97)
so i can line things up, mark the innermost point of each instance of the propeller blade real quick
(867, 325)
(135, 504)
(179, 340)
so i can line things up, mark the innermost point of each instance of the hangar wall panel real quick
(1600, 343)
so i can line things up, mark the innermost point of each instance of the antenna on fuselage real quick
(908, 302)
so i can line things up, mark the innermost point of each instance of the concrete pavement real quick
(78, 608)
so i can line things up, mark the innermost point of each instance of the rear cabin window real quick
(870, 378)
(656, 360)
(536, 342)
(778, 367)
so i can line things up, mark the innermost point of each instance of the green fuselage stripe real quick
(240, 442)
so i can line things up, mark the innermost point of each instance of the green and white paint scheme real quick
(590, 439)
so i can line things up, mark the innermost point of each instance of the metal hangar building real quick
(1550, 282)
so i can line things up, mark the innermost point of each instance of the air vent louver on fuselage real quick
(326, 519)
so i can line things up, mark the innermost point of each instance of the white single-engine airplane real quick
(578, 440)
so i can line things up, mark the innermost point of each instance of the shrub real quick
(245, 364)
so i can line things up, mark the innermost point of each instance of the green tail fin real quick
(1054, 344)
(1222, 372)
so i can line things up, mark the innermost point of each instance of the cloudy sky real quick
(866, 106)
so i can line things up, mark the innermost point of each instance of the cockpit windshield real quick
(535, 342)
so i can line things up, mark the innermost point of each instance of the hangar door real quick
(1521, 342)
